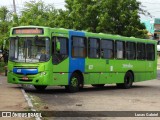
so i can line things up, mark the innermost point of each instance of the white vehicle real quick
(158, 46)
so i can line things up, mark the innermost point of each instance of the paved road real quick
(143, 96)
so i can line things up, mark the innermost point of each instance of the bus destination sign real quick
(27, 31)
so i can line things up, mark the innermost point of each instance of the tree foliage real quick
(37, 13)
(4, 24)
(83, 14)
(108, 16)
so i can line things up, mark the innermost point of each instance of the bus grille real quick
(25, 80)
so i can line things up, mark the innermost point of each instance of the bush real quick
(2, 64)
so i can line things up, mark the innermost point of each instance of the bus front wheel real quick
(40, 87)
(128, 81)
(74, 83)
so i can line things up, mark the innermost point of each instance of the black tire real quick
(74, 83)
(128, 81)
(98, 85)
(119, 85)
(40, 87)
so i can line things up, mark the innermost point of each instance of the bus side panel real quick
(150, 72)
(114, 73)
(116, 70)
(75, 63)
(60, 73)
(140, 70)
(60, 79)
(111, 77)
(94, 70)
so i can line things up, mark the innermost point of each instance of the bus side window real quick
(79, 48)
(130, 50)
(107, 49)
(150, 52)
(120, 50)
(93, 48)
(140, 51)
(59, 49)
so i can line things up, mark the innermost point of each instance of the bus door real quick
(60, 60)
(77, 52)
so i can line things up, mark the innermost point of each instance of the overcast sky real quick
(152, 6)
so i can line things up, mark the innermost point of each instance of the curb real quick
(29, 102)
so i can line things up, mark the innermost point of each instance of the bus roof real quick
(90, 34)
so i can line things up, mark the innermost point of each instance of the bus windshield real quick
(29, 49)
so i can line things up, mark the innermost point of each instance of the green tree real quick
(108, 16)
(37, 13)
(83, 14)
(4, 24)
(121, 17)
(3, 13)
(62, 19)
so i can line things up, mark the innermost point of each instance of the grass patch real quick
(39, 105)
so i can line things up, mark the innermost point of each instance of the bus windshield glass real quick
(29, 49)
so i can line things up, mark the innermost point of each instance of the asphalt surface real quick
(143, 96)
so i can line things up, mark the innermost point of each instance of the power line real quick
(14, 6)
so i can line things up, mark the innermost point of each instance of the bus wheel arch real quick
(81, 78)
(75, 82)
(128, 80)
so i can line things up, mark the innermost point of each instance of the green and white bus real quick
(44, 56)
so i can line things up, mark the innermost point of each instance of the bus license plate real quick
(24, 78)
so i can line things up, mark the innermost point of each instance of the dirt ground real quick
(11, 98)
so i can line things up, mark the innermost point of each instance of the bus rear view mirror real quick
(58, 46)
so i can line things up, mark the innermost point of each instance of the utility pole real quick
(14, 5)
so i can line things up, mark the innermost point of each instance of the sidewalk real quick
(12, 99)
(11, 96)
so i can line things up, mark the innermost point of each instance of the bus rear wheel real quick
(40, 87)
(128, 81)
(74, 83)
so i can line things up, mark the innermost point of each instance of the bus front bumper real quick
(38, 79)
